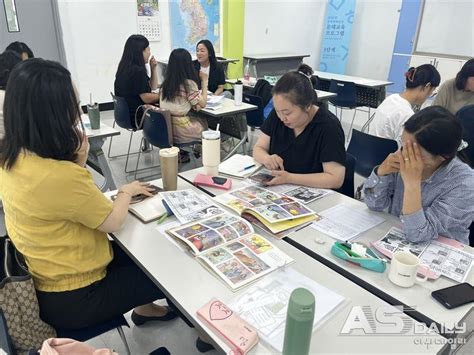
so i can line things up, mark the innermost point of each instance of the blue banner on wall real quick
(337, 34)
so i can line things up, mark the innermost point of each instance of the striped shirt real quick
(447, 200)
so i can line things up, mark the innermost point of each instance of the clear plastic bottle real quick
(247, 72)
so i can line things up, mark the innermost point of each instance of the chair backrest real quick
(369, 151)
(471, 235)
(255, 117)
(262, 89)
(466, 115)
(156, 129)
(346, 93)
(347, 187)
(122, 113)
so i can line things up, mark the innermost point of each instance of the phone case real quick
(224, 322)
(206, 180)
(375, 264)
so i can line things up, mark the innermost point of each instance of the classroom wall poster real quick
(337, 34)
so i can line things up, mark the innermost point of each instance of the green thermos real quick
(299, 322)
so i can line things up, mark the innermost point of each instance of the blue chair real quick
(347, 187)
(157, 131)
(255, 118)
(368, 151)
(466, 116)
(346, 97)
(122, 119)
(92, 332)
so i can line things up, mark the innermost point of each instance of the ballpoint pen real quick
(246, 168)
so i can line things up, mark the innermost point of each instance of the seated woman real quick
(458, 92)
(207, 63)
(132, 81)
(179, 94)
(55, 214)
(426, 182)
(396, 109)
(8, 60)
(21, 49)
(301, 143)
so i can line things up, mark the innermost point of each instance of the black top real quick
(216, 76)
(321, 141)
(129, 84)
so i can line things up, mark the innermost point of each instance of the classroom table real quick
(322, 95)
(272, 64)
(96, 158)
(309, 240)
(230, 110)
(163, 62)
(369, 92)
(189, 286)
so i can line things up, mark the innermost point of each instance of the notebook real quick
(240, 166)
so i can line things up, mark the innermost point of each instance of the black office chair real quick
(92, 332)
(368, 151)
(347, 187)
(466, 116)
(345, 99)
(255, 118)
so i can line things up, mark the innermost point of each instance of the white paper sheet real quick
(344, 222)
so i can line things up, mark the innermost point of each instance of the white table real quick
(273, 64)
(419, 296)
(189, 285)
(369, 92)
(322, 95)
(230, 109)
(96, 158)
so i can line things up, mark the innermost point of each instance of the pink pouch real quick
(60, 346)
(224, 322)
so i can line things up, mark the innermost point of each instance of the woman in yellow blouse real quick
(55, 214)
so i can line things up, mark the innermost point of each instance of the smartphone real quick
(261, 178)
(454, 296)
(142, 197)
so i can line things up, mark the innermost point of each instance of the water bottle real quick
(247, 72)
(299, 322)
(238, 89)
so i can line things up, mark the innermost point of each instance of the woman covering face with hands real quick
(428, 181)
(301, 143)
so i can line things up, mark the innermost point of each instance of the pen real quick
(162, 218)
(247, 167)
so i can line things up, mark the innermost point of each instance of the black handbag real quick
(18, 301)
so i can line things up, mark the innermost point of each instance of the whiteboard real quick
(447, 28)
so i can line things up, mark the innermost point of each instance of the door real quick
(38, 22)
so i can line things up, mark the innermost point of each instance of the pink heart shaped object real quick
(219, 311)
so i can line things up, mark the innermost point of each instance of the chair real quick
(347, 187)
(345, 99)
(255, 118)
(157, 130)
(466, 116)
(92, 332)
(471, 235)
(368, 151)
(122, 119)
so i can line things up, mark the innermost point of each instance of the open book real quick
(444, 256)
(229, 247)
(274, 212)
(239, 166)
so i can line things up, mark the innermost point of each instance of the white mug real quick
(403, 269)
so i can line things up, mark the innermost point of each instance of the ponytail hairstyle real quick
(422, 76)
(439, 132)
(297, 88)
(308, 71)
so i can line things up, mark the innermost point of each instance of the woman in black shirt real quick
(301, 143)
(207, 63)
(132, 81)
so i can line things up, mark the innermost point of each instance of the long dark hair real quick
(41, 113)
(180, 69)
(20, 48)
(438, 131)
(466, 71)
(297, 88)
(8, 60)
(421, 76)
(210, 50)
(133, 52)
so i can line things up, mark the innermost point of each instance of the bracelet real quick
(124, 192)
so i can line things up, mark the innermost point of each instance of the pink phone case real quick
(224, 322)
(206, 180)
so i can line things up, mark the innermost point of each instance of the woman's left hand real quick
(411, 164)
(280, 177)
(153, 63)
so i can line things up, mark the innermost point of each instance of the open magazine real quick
(229, 247)
(276, 213)
(444, 256)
